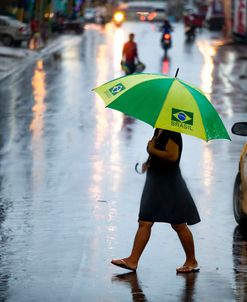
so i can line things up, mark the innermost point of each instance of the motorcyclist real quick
(190, 32)
(190, 27)
(166, 40)
(166, 28)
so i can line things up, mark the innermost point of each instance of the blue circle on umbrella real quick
(182, 116)
(116, 88)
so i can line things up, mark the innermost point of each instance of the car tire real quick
(239, 216)
(7, 40)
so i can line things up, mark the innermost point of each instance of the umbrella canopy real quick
(164, 102)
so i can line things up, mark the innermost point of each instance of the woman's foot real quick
(124, 263)
(188, 268)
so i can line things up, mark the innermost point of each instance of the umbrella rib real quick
(204, 121)
(148, 98)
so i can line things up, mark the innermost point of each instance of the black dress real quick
(165, 197)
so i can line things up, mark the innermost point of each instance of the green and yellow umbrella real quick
(164, 102)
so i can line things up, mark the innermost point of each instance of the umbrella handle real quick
(136, 169)
(137, 164)
(149, 157)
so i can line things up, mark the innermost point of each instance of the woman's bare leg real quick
(187, 241)
(141, 239)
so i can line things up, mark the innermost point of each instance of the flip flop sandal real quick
(123, 264)
(187, 269)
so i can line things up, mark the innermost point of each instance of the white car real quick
(89, 14)
(157, 15)
(13, 32)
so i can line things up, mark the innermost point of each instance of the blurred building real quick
(239, 19)
(4, 4)
(227, 15)
(24, 10)
(215, 17)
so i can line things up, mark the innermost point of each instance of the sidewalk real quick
(13, 59)
(17, 59)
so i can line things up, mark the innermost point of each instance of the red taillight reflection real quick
(165, 66)
(167, 36)
(21, 29)
(151, 16)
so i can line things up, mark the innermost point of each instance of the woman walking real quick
(165, 198)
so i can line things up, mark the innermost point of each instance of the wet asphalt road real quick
(69, 195)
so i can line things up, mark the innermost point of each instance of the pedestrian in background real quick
(130, 55)
(35, 34)
(165, 198)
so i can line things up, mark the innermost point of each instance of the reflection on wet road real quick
(37, 124)
(208, 51)
(192, 287)
(69, 195)
(239, 251)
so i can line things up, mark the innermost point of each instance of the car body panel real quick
(17, 30)
(240, 185)
(153, 11)
(243, 174)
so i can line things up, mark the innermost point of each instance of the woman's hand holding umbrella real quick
(145, 167)
(151, 145)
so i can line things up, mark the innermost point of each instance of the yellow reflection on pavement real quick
(108, 122)
(102, 122)
(208, 171)
(208, 166)
(39, 93)
(37, 123)
(106, 168)
(117, 50)
(208, 51)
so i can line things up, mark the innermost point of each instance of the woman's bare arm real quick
(171, 153)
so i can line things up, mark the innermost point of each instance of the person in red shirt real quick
(130, 55)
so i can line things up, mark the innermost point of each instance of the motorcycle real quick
(240, 184)
(118, 18)
(166, 42)
(190, 33)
